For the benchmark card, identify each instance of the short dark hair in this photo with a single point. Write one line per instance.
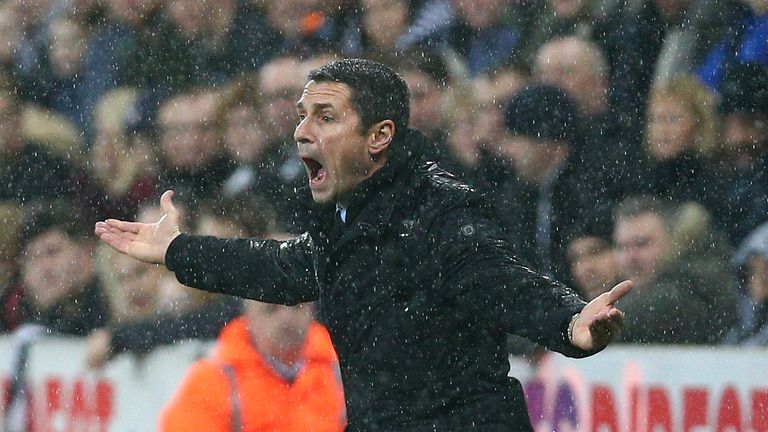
(639, 205)
(54, 215)
(378, 92)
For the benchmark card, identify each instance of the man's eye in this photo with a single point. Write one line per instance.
(302, 117)
(327, 119)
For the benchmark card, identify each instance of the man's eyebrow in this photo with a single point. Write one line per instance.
(315, 106)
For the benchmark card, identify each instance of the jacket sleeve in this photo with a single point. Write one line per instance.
(265, 270)
(487, 281)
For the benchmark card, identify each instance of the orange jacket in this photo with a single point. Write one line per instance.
(265, 401)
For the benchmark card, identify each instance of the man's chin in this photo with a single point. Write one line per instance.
(321, 197)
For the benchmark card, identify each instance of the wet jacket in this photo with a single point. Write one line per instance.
(417, 292)
(237, 390)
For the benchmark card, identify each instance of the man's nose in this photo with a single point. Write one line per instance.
(301, 133)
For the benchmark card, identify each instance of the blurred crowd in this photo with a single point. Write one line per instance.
(613, 138)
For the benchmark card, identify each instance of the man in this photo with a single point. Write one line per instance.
(415, 285)
(533, 169)
(680, 268)
(272, 369)
(611, 137)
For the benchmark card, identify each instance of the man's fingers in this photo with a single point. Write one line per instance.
(114, 225)
(619, 291)
(166, 202)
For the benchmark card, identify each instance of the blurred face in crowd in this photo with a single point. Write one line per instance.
(10, 34)
(54, 266)
(244, 139)
(480, 14)
(745, 133)
(337, 154)
(279, 86)
(68, 44)
(640, 241)
(670, 130)
(189, 138)
(568, 64)
(139, 281)
(279, 330)
(426, 102)
(131, 12)
(594, 265)
(671, 9)
(10, 124)
(385, 20)
(567, 8)
(532, 157)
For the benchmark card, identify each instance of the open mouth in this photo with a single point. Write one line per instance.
(315, 170)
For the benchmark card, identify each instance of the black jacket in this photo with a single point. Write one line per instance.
(417, 292)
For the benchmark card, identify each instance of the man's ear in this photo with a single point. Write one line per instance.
(381, 135)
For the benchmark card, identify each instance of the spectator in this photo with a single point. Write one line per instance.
(743, 162)
(10, 37)
(137, 47)
(58, 81)
(480, 37)
(132, 288)
(184, 313)
(122, 171)
(684, 291)
(751, 262)
(61, 289)
(28, 171)
(680, 141)
(256, 165)
(272, 369)
(224, 38)
(532, 175)
(192, 160)
(461, 154)
(428, 80)
(581, 69)
(381, 33)
(593, 264)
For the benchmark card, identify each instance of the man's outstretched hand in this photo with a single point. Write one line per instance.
(144, 241)
(600, 321)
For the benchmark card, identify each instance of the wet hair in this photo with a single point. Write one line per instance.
(378, 92)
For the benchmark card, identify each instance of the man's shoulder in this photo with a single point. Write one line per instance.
(436, 182)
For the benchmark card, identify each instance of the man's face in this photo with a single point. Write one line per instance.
(139, 282)
(566, 65)
(641, 241)
(593, 265)
(279, 330)
(331, 145)
(51, 267)
(189, 137)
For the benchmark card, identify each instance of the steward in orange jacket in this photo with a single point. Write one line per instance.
(239, 389)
